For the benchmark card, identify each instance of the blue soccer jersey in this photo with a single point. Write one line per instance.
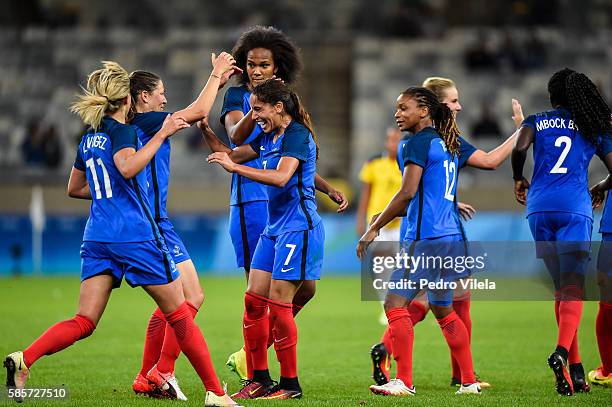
(431, 213)
(158, 170)
(561, 162)
(120, 207)
(465, 152)
(243, 189)
(291, 208)
(606, 218)
(400, 164)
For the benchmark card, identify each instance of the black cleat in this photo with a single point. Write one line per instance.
(380, 364)
(455, 382)
(562, 376)
(579, 382)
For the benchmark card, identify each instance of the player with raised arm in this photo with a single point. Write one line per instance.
(565, 139)
(121, 238)
(431, 158)
(148, 101)
(262, 53)
(446, 91)
(289, 253)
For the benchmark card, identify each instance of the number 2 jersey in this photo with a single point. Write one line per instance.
(431, 213)
(291, 208)
(561, 162)
(119, 208)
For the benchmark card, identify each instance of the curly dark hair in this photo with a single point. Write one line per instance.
(286, 54)
(441, 116)
(577, 93)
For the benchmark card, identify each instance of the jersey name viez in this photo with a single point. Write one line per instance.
(556, 123)
(94, 141)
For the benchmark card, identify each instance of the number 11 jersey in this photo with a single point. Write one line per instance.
(119, 208)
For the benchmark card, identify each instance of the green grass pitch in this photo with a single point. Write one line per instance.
(511, 341)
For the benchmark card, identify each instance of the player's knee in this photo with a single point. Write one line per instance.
(393, 302)
(605, 287)
(86, 325)
(441, 311)
(255, 306)
(196, 298)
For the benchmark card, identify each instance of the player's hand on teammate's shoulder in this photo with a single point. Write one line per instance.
(520, 191)
(172, 124)
(466, 211)
(517, 113)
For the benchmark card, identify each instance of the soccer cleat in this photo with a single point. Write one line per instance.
(596, 377)
(16, 373)
(253, 390)
(381, 364)
(276, 393)
(166, 383)
(395, 387)
(457, 382)
(473, 388)
(237, 363)
(142, 386)
(212, 400)
(562, 376)
(578, 380)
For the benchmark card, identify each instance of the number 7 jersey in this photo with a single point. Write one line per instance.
(561, 157)
(119, 207)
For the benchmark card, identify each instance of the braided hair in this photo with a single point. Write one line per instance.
(577, 93)
(441, 116)
(273, 91)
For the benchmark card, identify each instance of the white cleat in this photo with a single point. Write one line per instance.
(473, 388)
(212, 400)
(395, 387)
(179, 393)
(16, 373)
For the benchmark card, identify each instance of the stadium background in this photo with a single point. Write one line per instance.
(357, 56)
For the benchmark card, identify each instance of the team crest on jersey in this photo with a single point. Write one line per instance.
(177, 250)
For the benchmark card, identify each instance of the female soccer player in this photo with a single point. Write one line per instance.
(121, 238)
(603, 325)
(431, 158)
(447, 93)
(289, 253)
(262, 53)
(564, 140)
(148, 97)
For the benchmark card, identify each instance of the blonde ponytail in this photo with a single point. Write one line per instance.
(105, 93)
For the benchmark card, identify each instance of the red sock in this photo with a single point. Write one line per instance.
(387, 340)
(58, 337)
(570, 312)
(193, 345)
(296, 309)
(402, 333)
(603, 328)
(285, 337)
(462, 308)
(417, 312)
(154, 339)
(573, 354)
(171, 350)
(458, 341)
(256, 327)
